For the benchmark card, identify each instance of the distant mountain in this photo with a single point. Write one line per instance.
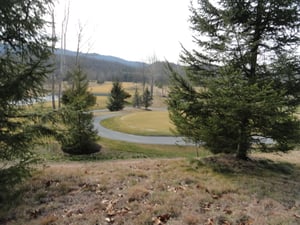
(107, 58)
(108, 68)
(101, 67)
(96, 56)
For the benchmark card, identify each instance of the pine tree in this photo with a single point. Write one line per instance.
(116, 100)
(78, 96)
(136, 102)
(147, 99)
(24, 57)
(79, 136)
(248, 76)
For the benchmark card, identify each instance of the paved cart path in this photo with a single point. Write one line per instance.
(161, 140)
(115, 135)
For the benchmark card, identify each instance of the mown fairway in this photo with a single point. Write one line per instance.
(140, 122)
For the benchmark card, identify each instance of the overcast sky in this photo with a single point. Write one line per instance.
(130, 29)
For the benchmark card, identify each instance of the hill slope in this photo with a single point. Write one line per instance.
(214, 190)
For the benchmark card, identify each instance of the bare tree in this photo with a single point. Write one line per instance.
(152, 60)
(79, 42)
(64, 28)
(53, 47)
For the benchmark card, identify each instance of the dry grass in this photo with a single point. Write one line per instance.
(130, 87)
(101, 102)
(102, 90)
(106, 87)
(142, 123)
(174, 192)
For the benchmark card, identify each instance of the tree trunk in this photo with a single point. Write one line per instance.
(53, 91)
(256, 40)
(242, 151)
(53, 48)
(152, 86)
(243, 144)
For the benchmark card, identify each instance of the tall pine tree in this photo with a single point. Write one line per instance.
(247, 68)
(147, 98)
(24, 54)
(136, 101)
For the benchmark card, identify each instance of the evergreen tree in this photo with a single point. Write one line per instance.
(147, 99)
(136, 102)
(116, 100)
(80, 136)
(78, 96)
(248, 74)
(24, 57)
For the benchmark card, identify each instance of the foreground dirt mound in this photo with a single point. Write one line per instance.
(215, 190)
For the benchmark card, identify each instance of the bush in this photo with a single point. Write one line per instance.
(84, 148)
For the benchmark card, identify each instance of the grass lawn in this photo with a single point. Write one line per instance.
(115, 150)
(149, 123)
(120, 149)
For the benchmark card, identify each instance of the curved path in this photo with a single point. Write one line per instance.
(115, 135)
(160, 140)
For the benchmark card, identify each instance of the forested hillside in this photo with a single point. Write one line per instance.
(108, 68)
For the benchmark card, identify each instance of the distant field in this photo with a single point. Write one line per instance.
(151, 123)
(100, 102)
(101, 91)
(106, 87)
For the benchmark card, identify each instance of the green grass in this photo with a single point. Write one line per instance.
(113, 150)
(147, 123)
(150, 151)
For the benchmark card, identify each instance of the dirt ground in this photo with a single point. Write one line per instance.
(215, 190)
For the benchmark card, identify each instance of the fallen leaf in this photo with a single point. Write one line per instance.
(164, 218)
(215, 196)
(227, 211)
(161, 219)
(210, 221)
(35, 213)
(109, 219)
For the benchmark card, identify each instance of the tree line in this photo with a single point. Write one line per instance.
(103, 70)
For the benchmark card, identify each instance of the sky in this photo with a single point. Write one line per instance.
(135, 30)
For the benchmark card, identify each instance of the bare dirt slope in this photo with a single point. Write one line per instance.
(215, 190)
